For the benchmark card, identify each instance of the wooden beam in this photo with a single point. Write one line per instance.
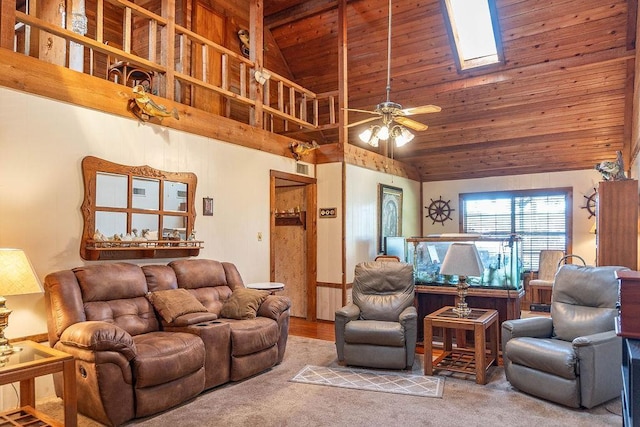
(7, 23)
(256, 54)
(31, 75)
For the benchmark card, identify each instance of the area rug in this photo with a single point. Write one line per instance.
(365, 379)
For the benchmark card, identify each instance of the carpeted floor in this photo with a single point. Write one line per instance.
(271, 399)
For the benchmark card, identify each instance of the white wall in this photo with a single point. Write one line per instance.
(362, 188)
(42, 143)
(583, 183)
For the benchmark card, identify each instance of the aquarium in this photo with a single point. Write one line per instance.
(501, 257)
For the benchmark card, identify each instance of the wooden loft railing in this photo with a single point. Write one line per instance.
(182, 62)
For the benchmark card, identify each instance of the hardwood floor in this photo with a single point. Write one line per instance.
(321, 329)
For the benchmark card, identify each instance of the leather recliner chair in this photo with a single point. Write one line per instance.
(379, 328)
(572, 358)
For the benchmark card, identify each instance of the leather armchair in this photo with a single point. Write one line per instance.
(379, 328)
(573, 357)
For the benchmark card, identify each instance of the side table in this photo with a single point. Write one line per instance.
(476, 360)
(272, 287)
(33, 361)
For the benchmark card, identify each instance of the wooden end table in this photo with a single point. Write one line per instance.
(33, 361)
(465, 360)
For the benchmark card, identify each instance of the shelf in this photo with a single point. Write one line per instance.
(299, 218)
(116, 250)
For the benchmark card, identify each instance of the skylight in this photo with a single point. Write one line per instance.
(471, 27)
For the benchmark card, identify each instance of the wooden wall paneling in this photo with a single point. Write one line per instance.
(210, 25)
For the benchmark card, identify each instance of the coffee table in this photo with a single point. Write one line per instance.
(33, 361)
(475, 361)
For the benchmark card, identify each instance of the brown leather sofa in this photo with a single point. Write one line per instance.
(130, 361)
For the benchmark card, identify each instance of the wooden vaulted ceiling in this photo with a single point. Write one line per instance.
(562, 100)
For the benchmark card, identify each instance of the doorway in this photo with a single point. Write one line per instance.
(293, 241)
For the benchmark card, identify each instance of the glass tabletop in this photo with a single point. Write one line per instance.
(26, 352)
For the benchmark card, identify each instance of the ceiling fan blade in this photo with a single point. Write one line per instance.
(421, 110)
(361, 111)
(370, 119)
(410, 123)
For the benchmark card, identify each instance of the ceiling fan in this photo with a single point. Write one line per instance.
(391, 112)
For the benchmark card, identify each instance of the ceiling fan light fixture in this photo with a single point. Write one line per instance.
(365, 135)
(383, 133)
(403, 137)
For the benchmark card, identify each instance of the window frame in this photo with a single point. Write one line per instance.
(567, 192)
(475, 63)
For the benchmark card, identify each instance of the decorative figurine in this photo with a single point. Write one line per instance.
(612, 171)
(299, 149)
(145, 108)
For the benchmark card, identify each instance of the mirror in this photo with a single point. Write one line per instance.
(175, 196)
(137, 212)
(111, 190)
(145, 194)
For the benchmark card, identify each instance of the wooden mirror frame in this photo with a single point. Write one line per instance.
(94, 250)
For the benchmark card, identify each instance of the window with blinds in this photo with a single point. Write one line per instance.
(542, 218)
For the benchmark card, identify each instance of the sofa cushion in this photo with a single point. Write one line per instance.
(252, 335)
(160, 277)
(134, 315)
(375, 332)
(548, 355)
(173, 303)
(243, 303)
(166, 356)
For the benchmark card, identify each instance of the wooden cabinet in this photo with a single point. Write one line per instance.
(617, 227)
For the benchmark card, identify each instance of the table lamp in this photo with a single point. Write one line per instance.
(462, 260)
(16, 278)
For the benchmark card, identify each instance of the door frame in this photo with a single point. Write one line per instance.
(311, 196)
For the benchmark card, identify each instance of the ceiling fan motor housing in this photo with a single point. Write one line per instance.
(388, 107)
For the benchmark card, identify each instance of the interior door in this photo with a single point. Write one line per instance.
(294, 240)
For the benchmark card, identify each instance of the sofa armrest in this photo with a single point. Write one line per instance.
(344, 315)
(408, 315)
(99, 336)
(599, 359)
(274, 306)
(535, 327)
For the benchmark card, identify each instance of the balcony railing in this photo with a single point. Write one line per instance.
(185, 67)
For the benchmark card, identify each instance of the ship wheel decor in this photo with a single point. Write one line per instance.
(590, 203)
(439, 210)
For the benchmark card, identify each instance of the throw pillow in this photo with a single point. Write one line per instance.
(173, 303)
(243, 303)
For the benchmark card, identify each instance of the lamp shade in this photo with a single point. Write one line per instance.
(462, 259)
(17, 276)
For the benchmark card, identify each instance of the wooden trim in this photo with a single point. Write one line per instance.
(333, 285)
(39, 338)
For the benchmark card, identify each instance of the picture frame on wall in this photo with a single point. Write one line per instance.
(389, 214)
(207, 206)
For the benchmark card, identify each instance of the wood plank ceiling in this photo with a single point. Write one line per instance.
(562, 99)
